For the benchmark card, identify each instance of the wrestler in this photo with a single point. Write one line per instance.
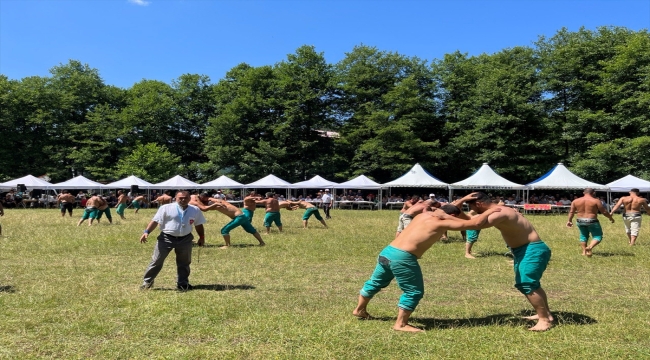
(632, 214)
(137, 202)
(90, 212)
(206, 203)
(587, 208)
(310, 209)
(399, 260)
(414, 210)
(531, 255)
(103, 209)
(65, 201)
(122, 199)
(407, 204)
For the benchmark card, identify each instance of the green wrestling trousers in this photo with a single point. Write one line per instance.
(402, 266)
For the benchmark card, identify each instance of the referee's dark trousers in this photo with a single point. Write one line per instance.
(183, 248)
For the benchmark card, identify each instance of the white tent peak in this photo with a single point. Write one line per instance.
(559, 177)
(79, 182)
(270, 181)
(486, 178)
(177, 182)
(128, 182)
(359, 182)
(30, 182)
(629, 182)
(315, 182)
(222, 182)
(416, 177)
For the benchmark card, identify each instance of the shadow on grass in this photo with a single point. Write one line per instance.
(232, 246)
(221, 287)
(566, 318)
(213, 287)
(503, 253)
(608, 254)
(452, 239)
(561, 318)
(7, 288)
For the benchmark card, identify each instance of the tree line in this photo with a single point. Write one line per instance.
(582, 98)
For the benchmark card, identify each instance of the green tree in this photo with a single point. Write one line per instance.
(151, 162)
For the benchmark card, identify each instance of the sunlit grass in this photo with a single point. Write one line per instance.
(72, 292)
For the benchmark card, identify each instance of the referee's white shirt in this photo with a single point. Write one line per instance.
(327, 199)
(169, 217)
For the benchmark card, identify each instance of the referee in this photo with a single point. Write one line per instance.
(176, 220)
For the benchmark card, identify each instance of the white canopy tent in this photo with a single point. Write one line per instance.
(485, 178)
(314, 183)
(416, 177)
(269, 182)
(361, 182)
(176, 183)
(223, 182)
(559, 177)
(128, 182)
(79, 182)
(629, 182)
(29, 181)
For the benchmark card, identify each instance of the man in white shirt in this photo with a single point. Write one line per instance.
(219, 195)
(176, 220)
(328, 201)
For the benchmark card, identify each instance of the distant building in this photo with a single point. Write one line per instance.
(329, 134)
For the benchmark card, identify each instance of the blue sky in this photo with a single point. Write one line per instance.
(131, 40)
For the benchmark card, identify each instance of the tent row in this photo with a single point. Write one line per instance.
(558, 178)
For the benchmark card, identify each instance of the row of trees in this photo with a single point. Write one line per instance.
(579, 97)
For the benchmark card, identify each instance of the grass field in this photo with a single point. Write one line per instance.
(72, 292)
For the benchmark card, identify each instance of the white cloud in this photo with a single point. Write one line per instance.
(139, 2)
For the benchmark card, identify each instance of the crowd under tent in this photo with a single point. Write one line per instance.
(361, 182)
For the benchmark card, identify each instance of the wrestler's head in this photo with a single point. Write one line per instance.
(204, 196)
(480, 203)
(450, 209)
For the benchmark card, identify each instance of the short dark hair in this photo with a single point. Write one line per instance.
(204, 194)
(588, 191)
(269, 194)
(450, 209)
(635, 190)
(482, 197)
(184, 192)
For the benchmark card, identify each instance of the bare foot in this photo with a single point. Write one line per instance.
(224, 247)
(361, 314)
(408, 328)
(262, 243)
(469, 256)
(588, 252)
(541, 325)
(536, 317)
(444, 238)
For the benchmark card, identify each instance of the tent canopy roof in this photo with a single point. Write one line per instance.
(313, 183)
(416, 177)
(177, 183)
(29, 181)
(223, 182)
(271, 182)
(559, 177)
(78, 182)
(359, 182)
(486, 178)
(629, 182)
(128, 182)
